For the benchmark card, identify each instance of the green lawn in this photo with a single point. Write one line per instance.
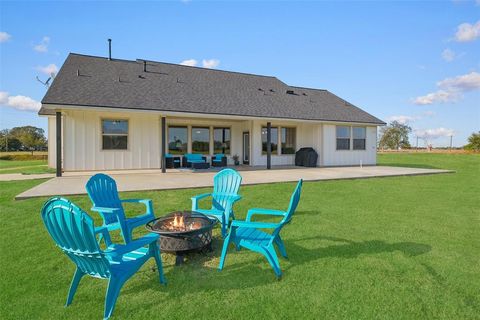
(25, 167)
(386, 248)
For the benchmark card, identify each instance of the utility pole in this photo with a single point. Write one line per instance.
(417, 145)
(451, 140)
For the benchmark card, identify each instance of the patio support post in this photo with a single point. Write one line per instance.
(164, 144)
(269, 145)
(58, 119)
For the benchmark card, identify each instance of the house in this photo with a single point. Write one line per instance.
(112, 114)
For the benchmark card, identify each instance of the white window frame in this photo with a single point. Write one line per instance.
(280, 140)
(121, 134)
(351, 138)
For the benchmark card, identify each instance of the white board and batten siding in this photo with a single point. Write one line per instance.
(82, 142)
(333, 157)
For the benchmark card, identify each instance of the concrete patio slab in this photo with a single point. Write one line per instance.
(74, 184)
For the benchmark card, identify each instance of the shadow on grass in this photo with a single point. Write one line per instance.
(408, 165)
(200, 273)
(350, 249)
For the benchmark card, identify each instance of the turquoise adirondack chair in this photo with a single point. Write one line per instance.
(74, 233)
(247, 234)
(225, 193)
(103, 193)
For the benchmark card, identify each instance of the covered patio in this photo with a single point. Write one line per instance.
(73, 183)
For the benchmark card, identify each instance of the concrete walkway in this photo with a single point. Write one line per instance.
(20, 176)
(155, 180)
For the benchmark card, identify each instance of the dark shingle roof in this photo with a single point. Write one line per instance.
(99, 82)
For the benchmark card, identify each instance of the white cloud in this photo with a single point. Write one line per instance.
(43, 45)
(428, 113)
(3, 97)
(434, 97)
(451, 89)
(466, 82)
(435, 133)
(404, 119)
(19, 102)
(448, 55)
(210, 63)
(4, 37)
(48, 70)
(189, 62)
(467, 32)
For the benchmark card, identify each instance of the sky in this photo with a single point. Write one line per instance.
(414, 62)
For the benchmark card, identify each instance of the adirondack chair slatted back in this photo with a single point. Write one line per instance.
(294, 200)
(225, 183)
(73, 232)
(103, 192)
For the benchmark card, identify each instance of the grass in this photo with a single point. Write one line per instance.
(383, 248)
(24, 167)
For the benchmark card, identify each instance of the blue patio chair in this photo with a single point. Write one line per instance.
(219, 160)
(247, 233)
(190, 158)
(225, 193)
(172, 161)
(103, 193)
(74, 233)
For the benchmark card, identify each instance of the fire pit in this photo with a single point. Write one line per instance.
(183, 232)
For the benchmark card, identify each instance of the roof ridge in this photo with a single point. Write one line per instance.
(308, 88)
(210, 69)
(173, 64)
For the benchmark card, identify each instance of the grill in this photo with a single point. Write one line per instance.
(194, 235)
(306, 157)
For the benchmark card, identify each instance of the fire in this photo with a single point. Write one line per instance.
(179, 222)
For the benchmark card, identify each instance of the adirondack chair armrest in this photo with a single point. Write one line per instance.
(105, 210)
(197, 198)
(201, 196)
(105, 234)
(255, 225)
(270, 212)
(147, 202)
(118, 250)
(235, 198)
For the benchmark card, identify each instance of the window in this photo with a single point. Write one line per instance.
(221, 140)
(114, 134)
(200, 140)
(343, 138)
(177, 140)
(274, 140)
(359, 138)
(288, 140)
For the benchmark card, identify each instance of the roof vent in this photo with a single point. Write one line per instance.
(290, 92)
(109, 49)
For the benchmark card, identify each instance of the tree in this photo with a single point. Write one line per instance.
(473, 142)
(32, 138)
(9, 142)
(395, 136)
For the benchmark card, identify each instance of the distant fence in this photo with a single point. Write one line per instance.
(413, 150)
